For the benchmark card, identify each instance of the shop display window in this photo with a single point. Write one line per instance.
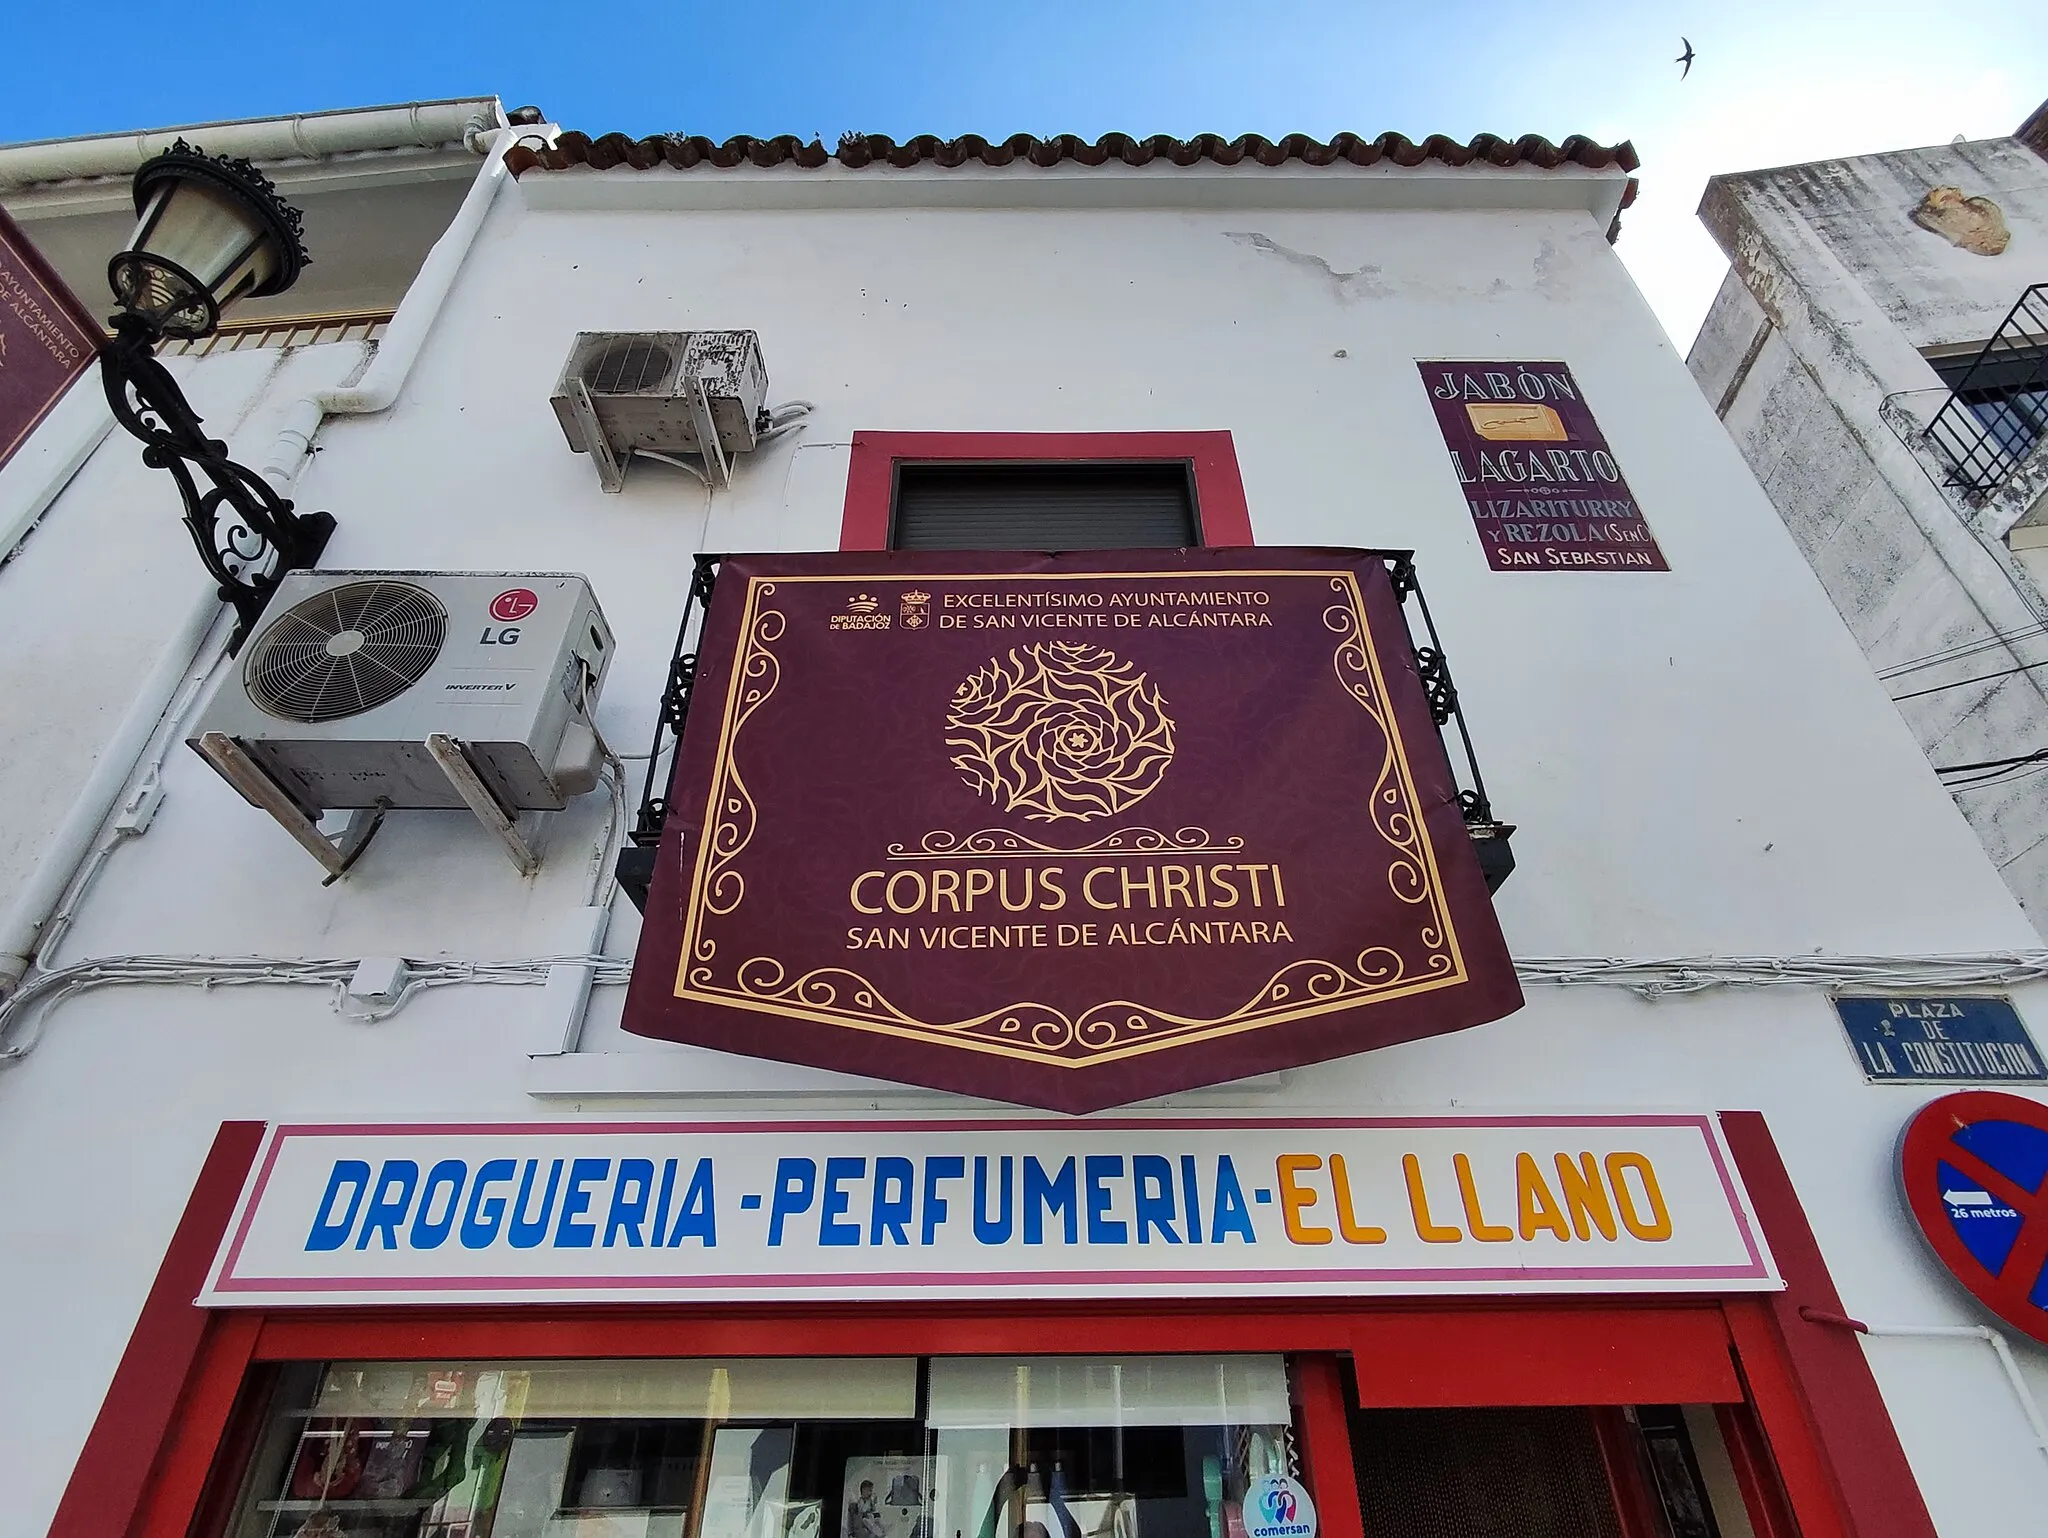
(1041, 1447)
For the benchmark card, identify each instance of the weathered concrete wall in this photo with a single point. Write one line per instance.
(1730, 339)
(1832, 295)
(1901, 600)
(1934, 292)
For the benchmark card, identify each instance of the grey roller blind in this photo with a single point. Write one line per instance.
(1043, 507)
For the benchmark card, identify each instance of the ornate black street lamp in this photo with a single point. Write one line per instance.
(209, 231)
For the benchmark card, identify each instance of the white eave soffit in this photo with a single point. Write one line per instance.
(1434, 187)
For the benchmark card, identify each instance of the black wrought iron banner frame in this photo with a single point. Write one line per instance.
(1490, 835)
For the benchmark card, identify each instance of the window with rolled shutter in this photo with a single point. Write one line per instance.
(1043, 506)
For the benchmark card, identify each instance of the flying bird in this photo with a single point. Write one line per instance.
(1685, 58)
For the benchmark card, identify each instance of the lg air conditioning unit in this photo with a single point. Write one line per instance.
(379, 689)
(665, 392)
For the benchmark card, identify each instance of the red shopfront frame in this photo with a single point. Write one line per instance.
(1806, 1428)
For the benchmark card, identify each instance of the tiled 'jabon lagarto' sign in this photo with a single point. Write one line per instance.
(1544, 489)
(47, 338)
(1068, 830)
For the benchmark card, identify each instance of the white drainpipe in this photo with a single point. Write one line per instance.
(2029, 1406)
(407, 333)
(2021, 1390)
(378, 388)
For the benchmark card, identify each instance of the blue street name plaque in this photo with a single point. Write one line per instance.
(1932, 1040)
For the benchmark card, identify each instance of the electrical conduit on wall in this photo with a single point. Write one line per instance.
(23, 924)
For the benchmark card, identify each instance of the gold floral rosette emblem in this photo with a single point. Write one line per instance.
(1058, 730)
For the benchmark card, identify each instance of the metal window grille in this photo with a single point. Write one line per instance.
(285, 331)
(1997, 409)
(1531, 1472)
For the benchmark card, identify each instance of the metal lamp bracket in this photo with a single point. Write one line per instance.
(247, 535)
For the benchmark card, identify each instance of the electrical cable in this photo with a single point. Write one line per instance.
(1982, 678)
(149, 784)
(1994, 763)
(1992, 642)
(30, 1004)
(2003, 774)
(670, 459)
(1653, 978)
(613, 773)
(1649, 978)
(2000, 778)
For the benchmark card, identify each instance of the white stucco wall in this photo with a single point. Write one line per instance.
(1699, 761)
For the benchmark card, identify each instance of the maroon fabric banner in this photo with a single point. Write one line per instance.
(1067, 830)
(1544, 490)
(47, 338)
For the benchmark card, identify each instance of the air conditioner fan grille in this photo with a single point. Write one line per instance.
(627, 365)
(345, 651)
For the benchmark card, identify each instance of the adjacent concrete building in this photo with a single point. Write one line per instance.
(1879, 352)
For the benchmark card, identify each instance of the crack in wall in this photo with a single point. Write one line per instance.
(1362, 282)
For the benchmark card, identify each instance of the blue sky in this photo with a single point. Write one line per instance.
(1773, 82)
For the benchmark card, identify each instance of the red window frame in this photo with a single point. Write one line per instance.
(1221, 514)
(1812, 1444)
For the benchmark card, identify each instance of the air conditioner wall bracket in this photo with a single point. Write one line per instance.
(611, 475)
(241, 770)
(453, 758)
(716, 466)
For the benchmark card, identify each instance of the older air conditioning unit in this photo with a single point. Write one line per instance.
(371, 690)
(702, 393)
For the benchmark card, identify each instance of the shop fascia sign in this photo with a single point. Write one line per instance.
(1070, 831)
(1134, 1207)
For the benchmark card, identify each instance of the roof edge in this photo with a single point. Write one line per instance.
(2033, 133)
(305, 136)
(690, 152)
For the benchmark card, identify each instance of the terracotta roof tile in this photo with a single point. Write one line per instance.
(685, 152)
(2033, 133)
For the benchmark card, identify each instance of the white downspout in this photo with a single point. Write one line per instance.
(23, 924)
(2021, 1390)
(2029, 1406)
(407, 333)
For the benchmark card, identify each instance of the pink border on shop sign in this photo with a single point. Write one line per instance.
(925, 1281)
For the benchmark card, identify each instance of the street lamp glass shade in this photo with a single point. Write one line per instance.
(209, 231)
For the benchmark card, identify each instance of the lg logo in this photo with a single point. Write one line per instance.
(515, 603)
